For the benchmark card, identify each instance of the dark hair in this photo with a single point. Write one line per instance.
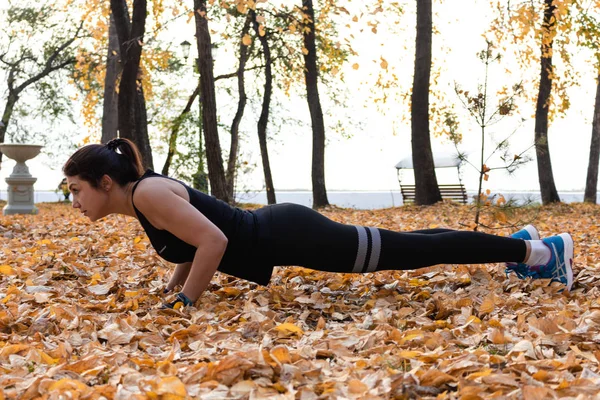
(119, 158)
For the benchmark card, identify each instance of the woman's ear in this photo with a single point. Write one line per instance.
(106, 183)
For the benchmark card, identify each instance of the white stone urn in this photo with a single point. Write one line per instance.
(20, 182)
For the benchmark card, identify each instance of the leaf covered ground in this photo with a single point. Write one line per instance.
(80, 319)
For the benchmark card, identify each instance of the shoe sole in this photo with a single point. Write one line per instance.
(569, 245)
(533, 233)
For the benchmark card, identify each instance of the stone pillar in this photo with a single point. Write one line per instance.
(20, 182)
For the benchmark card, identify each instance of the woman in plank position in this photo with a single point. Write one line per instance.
(202, 234)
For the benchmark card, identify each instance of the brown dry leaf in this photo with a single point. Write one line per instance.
(537, 393)
(488, 304)
(435, 378)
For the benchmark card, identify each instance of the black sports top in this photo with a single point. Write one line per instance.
(245, 254)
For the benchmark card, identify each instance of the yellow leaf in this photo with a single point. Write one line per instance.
(417, 282)
(488, 305)
(411, 336)
(357, 387)
(480, 374)
(289, 329)
(7, 270)
(281, 354)
(68, 384)
(12, 349)
(384, 63)
(171, 385)
(230, 291)
(409, 354)
(247, 40)
(304, 50)
(497, 337)
(355, 66)
(47, 359)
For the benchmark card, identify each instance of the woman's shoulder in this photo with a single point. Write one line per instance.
(152, 186)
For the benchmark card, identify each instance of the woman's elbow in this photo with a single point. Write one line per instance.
(217, 243)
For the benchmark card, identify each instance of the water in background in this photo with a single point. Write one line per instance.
(347, 199)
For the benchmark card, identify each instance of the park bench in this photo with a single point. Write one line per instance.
(449, 191)
(454, 192)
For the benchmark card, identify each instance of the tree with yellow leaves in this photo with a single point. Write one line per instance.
(541, 30)
(588, 34)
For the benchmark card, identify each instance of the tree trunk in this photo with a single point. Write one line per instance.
(127, 89)
(542, 148)
(426, 186)
(110, 116)
(591, 182)
(175, 131)
(235, 125)
(141, 125)
(6, 115)
(133, 122)
(311, 74)
(264, 114)
(216, 173)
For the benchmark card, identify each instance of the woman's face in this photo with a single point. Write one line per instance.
(92, 202)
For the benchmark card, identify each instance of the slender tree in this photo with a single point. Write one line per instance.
(176, 126)
(542, 148)
(591, 182)
(311, 74)
(426, 186)
(216, 173)
(263, 120)
(235, 125)
(110, 110)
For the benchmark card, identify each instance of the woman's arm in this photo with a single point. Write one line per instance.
(207, 259)
(167, 210)
(179, 275)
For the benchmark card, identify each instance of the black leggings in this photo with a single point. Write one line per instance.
(303, 237)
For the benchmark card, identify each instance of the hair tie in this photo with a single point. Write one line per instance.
(113, 144)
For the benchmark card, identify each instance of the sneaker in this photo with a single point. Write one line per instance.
(559, 268)
(527, 233)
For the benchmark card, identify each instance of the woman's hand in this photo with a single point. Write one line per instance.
(179, 276)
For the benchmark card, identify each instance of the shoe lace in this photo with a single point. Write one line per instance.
(521, 270)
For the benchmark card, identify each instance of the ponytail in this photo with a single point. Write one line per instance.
(119, 158)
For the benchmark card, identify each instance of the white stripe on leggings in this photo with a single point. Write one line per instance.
(361, 252)
(375, 249)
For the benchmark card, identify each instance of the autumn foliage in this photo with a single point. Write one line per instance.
(80, 318)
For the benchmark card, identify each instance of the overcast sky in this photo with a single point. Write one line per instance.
(366, 161)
